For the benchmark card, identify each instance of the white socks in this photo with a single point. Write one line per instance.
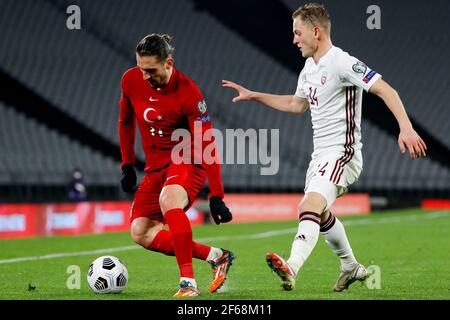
(305, 240)
(336, 238)
(191, 280)
(214, 253)
(307, 235)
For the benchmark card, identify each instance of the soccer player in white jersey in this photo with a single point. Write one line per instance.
(330, 85)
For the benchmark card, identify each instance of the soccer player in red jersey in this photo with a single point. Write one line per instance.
(162, 99)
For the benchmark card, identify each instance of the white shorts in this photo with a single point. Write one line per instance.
(331, 174)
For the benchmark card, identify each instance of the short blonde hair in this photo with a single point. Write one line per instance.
(315, 14)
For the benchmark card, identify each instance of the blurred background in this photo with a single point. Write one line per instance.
(60, 89)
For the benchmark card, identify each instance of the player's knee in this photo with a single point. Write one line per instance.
(173, 196)
(324, 217)
(165, 202)
(143, 232)
(139, 237)
(313, 202)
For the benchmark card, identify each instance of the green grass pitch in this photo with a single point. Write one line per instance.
(411, 248)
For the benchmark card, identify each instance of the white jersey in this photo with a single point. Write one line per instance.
(333, 88)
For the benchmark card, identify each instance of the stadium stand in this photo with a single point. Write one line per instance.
(386, 168)
(33, 154)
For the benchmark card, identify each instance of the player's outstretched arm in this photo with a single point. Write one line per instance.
(408, 137)
(244, 93)
(285, 103)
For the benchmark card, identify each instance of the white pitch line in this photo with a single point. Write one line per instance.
(268, 234)
(414, 217)
(70, 254)
(261, 235)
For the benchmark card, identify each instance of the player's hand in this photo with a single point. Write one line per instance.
(219, 211)
(409, 139)
(129, 178)
(244, 94)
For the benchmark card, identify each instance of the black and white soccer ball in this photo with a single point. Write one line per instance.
(107, 274)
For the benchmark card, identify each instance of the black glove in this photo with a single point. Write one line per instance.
(219, 211)
(129, 178)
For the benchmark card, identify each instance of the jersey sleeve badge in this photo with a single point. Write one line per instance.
(201, 106)
(359, 67)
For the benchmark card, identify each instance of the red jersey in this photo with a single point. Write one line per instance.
(159, 112)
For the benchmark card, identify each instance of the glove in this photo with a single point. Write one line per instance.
(219, 211)
(129, 178)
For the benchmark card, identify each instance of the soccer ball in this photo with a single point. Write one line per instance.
(107, 274)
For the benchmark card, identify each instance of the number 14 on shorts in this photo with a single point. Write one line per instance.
(322, 168)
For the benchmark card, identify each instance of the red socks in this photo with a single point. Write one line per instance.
(181, 230)
(163, 243)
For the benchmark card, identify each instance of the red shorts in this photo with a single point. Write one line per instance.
(146, 199)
